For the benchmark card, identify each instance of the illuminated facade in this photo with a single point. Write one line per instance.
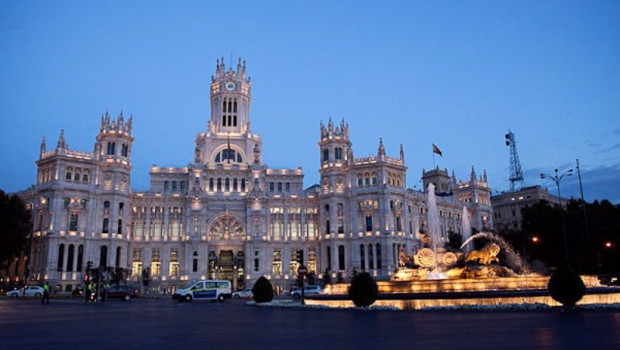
(227, 215)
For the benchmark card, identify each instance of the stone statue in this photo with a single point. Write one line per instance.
(484, 256)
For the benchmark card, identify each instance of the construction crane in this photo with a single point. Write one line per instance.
(516, 175)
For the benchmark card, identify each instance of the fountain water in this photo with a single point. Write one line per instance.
(465, 230)
(513, 260)
(434, 230)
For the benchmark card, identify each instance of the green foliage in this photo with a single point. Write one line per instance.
(15, 224)
(262, 290)
(454, 241)
(565, 286)
(543, 220)
(363, 290)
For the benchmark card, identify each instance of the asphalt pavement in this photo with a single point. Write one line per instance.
(165, 324)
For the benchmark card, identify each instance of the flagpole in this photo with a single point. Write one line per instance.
(433, 160)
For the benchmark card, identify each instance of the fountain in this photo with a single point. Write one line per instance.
(433, 278)
(465, 229)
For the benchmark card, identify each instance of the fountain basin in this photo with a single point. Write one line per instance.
(415, 295)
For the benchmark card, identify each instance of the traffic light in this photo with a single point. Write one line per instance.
(300, 256)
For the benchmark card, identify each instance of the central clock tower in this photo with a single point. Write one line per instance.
(230, 99)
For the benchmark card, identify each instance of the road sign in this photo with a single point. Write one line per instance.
(302, 270)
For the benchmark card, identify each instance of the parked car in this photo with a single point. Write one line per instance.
(308, 290)
(31, 291)
(204, 290)
(246, 293)
(122, 292)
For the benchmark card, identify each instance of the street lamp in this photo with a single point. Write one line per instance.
(557, 178)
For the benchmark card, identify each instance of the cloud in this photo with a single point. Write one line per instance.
(598, 183)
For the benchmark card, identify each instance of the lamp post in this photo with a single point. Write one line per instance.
(557, 178)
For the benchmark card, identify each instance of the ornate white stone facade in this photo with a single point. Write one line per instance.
(227, 215)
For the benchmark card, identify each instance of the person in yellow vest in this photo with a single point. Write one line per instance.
(46, 294)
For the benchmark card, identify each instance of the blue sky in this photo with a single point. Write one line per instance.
(454, 73)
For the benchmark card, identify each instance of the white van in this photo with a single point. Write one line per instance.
(204, 290)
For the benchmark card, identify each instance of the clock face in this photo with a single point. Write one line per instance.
(230, 86)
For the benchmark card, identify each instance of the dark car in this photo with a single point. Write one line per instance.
(122, 292)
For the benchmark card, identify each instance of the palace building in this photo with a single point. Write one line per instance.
(227, 215)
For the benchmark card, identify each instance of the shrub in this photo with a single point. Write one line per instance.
(363, 290)
(565, 286)
(262, 290)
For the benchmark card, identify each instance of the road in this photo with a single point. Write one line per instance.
(165, 324)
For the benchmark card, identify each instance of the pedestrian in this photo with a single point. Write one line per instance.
(45, 299)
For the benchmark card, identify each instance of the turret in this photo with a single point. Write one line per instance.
(230, 99)
(335, 149)
(113, 150)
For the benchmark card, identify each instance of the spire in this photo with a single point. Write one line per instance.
(402, 153)
(61, 140)
(473, 175)
(381, 150)
(43, 147)
(484, 176)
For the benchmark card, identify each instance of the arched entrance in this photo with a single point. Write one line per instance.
(226, 258)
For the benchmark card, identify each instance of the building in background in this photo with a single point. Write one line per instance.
(507, 206)
(227, 215)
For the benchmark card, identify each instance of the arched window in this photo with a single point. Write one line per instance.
(374, 178)
(227, 185)
(360, 180)
(103, 257)
(80, 258)
(68, 174)
(362, 257)
(234, 186)
(118, 257)
(378, 246)
(85, 177)
(211, 184)
(111, 149)
(76, 176)
(219, 185)
(70, 255)
(371, 262)
(120, 227)
(242, 185)
(61, 257)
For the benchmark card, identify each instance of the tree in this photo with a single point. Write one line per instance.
(262, 290)
(363, 290)
(15, 225)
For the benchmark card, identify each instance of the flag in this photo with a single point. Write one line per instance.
(436, 150)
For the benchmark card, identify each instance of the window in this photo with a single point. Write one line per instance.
(360, 181)
(242, 185)
(329, 257)
(105, 227)
(124, 150)
(338, 153)
(287, 187)
(341, 265)
(271, 187)
(70, 254)
(325, 155)
(276, 268)
(80, 257)
(368, 223)
(211, 184)
(73, 222)
(279, 187)
(371, 263)
(362, 257)
(68, 176)
(111, 149)
(120, 227)
(165, 186)
(174, 186)
(195, 262)
(234, 186)
(398, 224)
(103, 256)
(227, 185)
(61, 257)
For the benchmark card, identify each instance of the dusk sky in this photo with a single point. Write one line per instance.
(459, 74)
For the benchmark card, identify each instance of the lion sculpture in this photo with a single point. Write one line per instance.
(484, 256)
